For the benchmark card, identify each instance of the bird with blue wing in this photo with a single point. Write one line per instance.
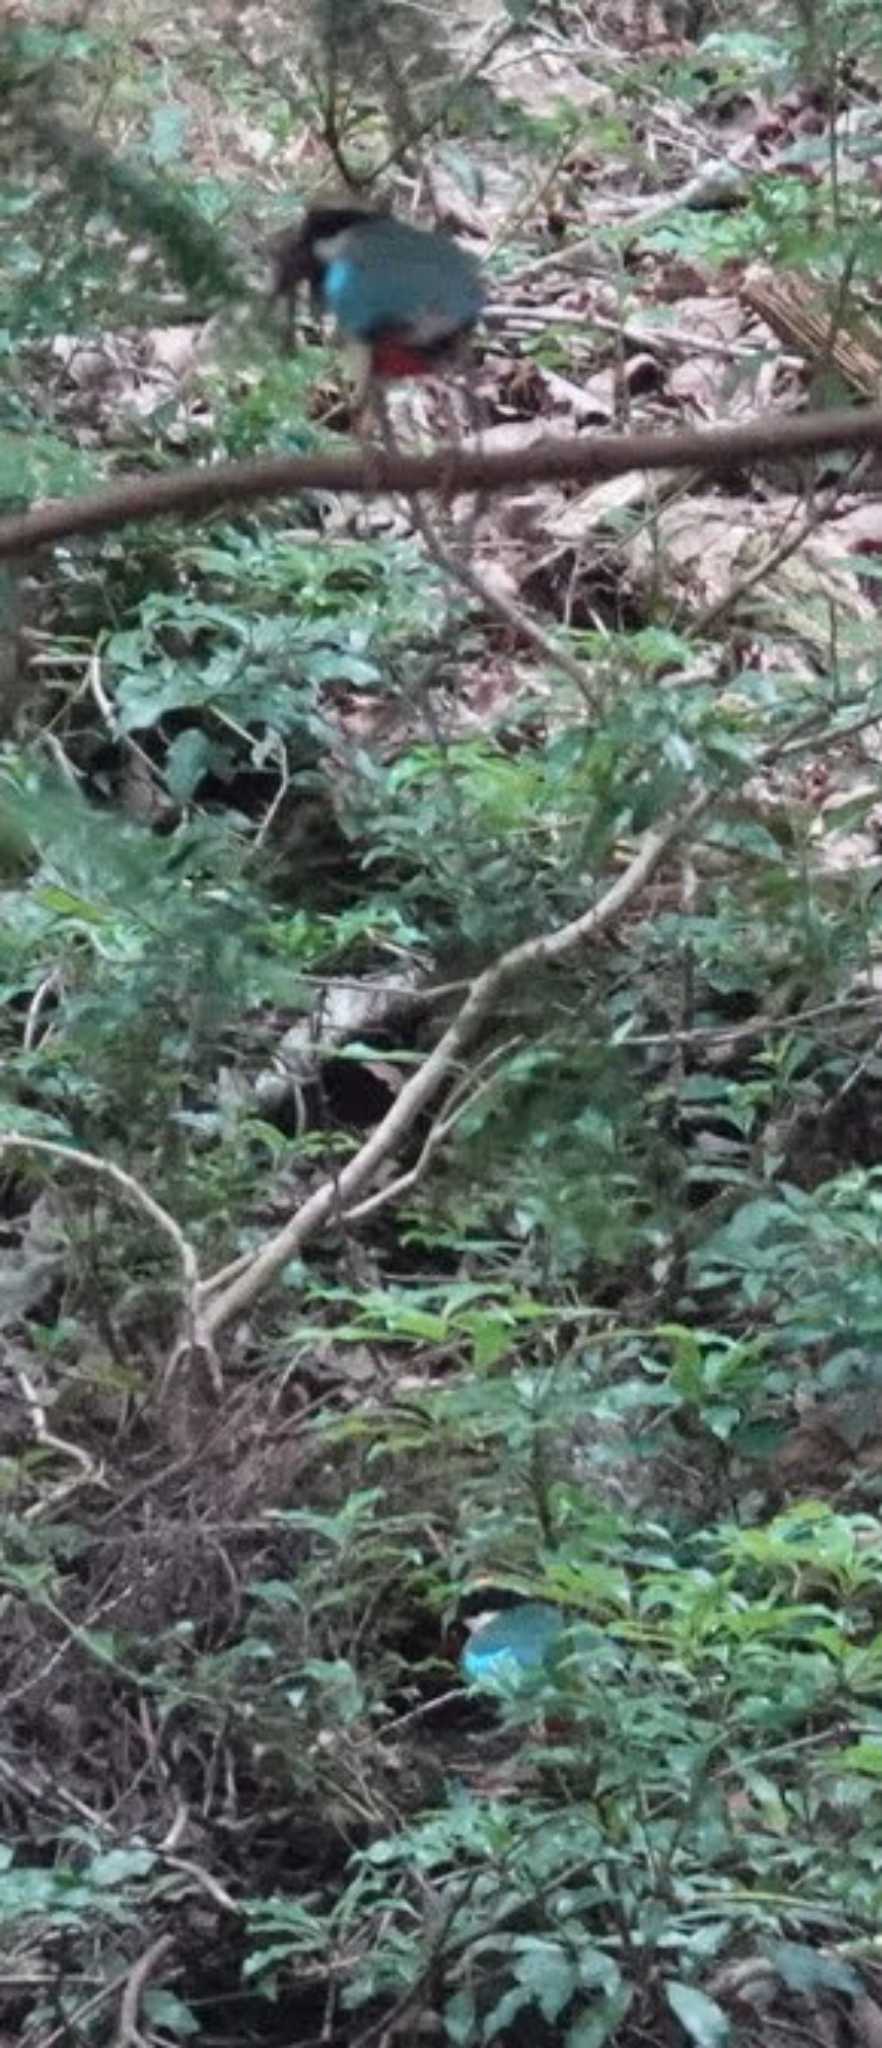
(404, 299)
(515, 1644)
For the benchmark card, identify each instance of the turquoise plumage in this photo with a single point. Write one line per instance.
(514, 1645)
(388, 278)
(404, 296)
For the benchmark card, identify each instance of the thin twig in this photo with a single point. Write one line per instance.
(73, 2022)
(128, 2034)
(203, 1878)
(518, 621)
(460, 570)
(107, 1169)
(113, 724)
(51, 985)
(439, 1132)
(785, 548)
(640, 214)
(43, 1434)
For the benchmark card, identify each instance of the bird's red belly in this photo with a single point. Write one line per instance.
(393, 358)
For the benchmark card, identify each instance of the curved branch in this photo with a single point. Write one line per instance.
(219, 1304)
(106, 1169)
(128, 2033)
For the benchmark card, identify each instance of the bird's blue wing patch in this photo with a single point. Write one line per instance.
(389, 278)
(514, 1645)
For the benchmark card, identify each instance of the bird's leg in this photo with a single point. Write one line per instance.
(383, 417)
(463, 541)
(475, 422)
(360, 365)
(368, 405)
(424, 523)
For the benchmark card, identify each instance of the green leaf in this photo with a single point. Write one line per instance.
(806, 1969)
(164, 2009)
(491, 1339)
(188, 758)
(36, 465)
(68, 905)
(168, 132)
(863, 1757)
(593, 2027)
(116, 1865)
(506, 2009)
(460, 2018)
(550, 1974)
(703, 2019)
(32, 1123)
(102, 1643)
(278, 1592)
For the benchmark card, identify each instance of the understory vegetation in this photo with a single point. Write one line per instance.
(441, 1110)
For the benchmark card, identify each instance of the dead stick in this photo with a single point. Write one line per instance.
(582, 460)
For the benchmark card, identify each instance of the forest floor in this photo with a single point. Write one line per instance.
(281, 1407)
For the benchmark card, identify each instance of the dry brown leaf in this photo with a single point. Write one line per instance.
(509, 435)
(542, 80)
(705, 316)
(531, 516)
(596, 399)
(604, 503)
(698, 384)
(866, 2018)
(32, 1265)
(859, 531)
(455, 211)
(129, 372)
(702, 548)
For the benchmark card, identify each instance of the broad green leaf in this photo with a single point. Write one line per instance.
(165, 2009)
(491, 1337)
(599, 2021)
(703, 2019)
(278, 1592)
(117, 1864)
(550, 1973)
(189, 757)
(460, 2019)
(808, 1969)
(167, 134)
(864, 1757)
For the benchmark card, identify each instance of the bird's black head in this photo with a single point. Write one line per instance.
(483, 1597)
(299, 254)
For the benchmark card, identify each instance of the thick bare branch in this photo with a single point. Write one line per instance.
(584, 459)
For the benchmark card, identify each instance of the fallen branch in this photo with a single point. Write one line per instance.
(581, 460)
